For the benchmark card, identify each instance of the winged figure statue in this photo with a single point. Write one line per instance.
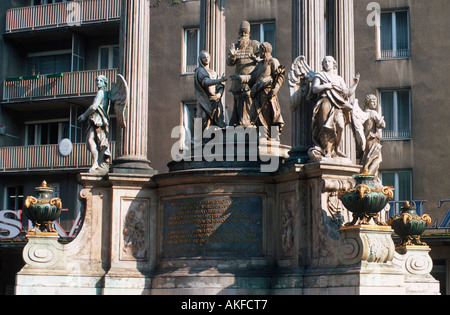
(300, 78)
(332, 107)
(97, 116)
(120, 96)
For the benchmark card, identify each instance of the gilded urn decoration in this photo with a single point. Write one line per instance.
(409, 226)
(365, 201)
(43, 210)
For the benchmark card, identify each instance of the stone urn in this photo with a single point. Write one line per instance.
(409, 226)
(366, 200)
(43, 209)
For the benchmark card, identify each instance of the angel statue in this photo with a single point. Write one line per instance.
(300, 79)
(366, 126)
(97, 116)
(331, 96)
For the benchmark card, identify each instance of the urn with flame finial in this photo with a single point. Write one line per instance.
(409, 226)
(365, 201)
(44, 209)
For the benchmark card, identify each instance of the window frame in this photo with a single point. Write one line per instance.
(396, 172)
(48, 2)
(184, 65)
(395, 132)
(50, 53)
(110, 56)
(37, 125)
(393, 11)
(261, 32)
(17, 197)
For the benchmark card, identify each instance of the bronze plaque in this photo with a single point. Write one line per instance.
(222, 226)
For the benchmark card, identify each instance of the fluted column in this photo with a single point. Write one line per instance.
(309, 41)
(213, 32)
(134, 66)
(213, 35)
(342, 47)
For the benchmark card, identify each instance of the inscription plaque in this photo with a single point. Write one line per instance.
(225, 226)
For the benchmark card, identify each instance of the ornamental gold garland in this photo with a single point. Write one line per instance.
(364, 189)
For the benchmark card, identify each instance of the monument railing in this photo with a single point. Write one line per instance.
(62, 14)
(58, 85)
(46, 157)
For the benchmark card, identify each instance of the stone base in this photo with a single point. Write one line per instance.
(417, 264)
(218, 231)
(232, 148)
(132, 165)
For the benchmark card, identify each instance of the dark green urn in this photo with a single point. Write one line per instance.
(43, 209)
(365, 201)
(409, 226)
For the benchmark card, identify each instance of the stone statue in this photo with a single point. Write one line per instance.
(332, 111)
(366, 126)
(243, 56)
(97, 116)
(209, 91)
(300, 79)
(287, 224)
(265, 81)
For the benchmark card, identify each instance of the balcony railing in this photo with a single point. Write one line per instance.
(396, 134)
(392, 54)
(46, 157)
(69, 13)
(69, 84)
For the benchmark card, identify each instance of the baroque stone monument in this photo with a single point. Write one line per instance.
(230, 227)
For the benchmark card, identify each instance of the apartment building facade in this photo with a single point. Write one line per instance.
(52, 50)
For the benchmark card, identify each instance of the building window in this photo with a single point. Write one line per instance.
(402, 183)
(396, 109)
(108, 57)
(264, 32)
(13, 198)
(394, 35)
(46, 132)
(191, 49)
(76, 128)
(39, 2)
(49, 62)
(188, 111)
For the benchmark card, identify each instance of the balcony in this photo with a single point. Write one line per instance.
(71, 13)
(61, 85)
(45, 158)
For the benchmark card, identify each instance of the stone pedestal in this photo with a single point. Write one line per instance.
(222, 231)
(364, 255)
(133, 246)
(232, 148)
(366, 244)
(416, 265)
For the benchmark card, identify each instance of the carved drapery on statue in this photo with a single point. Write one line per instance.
(265, 81)
(332, 110)
(242, 56)
(209, 91)
(98, 117)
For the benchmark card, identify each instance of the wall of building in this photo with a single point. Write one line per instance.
(427, 151)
